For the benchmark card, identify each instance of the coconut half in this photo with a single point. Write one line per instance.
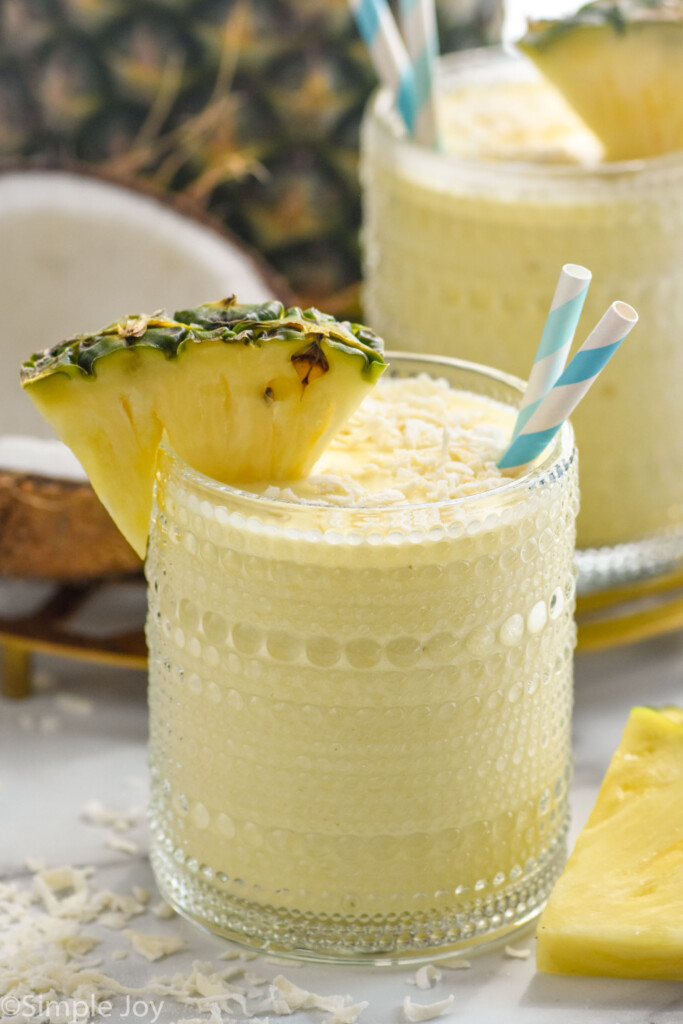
(77, 252)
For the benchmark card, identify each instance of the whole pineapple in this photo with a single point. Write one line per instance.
(251, 107)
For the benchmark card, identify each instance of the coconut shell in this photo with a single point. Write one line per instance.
(53, 528)
(58, 529)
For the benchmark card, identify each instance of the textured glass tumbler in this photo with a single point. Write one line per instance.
(462, 257)
(360, 719)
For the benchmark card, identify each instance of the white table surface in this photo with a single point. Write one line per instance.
(46, 778)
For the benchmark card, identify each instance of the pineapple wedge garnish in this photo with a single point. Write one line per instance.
(243, 393)
(619, 64)
(617, 909)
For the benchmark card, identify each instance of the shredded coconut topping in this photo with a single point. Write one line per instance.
(411, 441)
(527, 121)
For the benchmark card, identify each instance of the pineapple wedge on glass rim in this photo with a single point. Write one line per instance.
(243, 393)
(619, 65)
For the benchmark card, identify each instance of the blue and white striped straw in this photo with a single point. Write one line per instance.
(418, 22)
(556, 340)
(571, 386)
(388, 53)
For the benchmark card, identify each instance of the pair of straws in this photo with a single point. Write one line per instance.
(404, 64)
(553, 390)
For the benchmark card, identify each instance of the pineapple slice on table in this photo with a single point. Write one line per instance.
(617, 909)
(619, 64)
(243, 393)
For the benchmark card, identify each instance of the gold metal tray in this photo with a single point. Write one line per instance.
(635, 611)
(57, 622)
(100, 622)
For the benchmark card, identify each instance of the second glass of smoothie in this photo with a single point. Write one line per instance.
(361, 685)
(462, 251)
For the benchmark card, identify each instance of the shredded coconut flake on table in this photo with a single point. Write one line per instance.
(252, 978)
(74, 705)
(95, 813)
(44, 680)
(517, 953)
(426, 977)
(49, 724)
(417, 1012)
(154, 947)
(163, 911)
(44, 954)
(348, 1015)
(63, 891)
(455, 963)
(121, 845)
(286, 998)
(35, 864)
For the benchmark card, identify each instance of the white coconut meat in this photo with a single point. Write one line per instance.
(77, 253)
(39, 456)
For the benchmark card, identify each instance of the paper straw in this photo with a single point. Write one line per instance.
(556, 340)
(388, 54)
(418, 22)
(571, 386)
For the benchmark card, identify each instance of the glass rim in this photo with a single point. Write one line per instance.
(561, 452)
(380, 110)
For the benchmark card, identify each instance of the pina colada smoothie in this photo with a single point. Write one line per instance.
(360, 683)
(463, 249)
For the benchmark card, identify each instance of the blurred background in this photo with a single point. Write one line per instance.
(250, 109)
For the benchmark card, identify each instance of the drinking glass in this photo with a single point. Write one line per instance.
(360, 718)
(462, 257)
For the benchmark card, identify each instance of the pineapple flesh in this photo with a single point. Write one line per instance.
(617, 909)
(242, 392)
(620, 66)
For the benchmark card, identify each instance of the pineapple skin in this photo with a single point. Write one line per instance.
(258, 396)
(252, 109)
(617, 909)
(619, 65)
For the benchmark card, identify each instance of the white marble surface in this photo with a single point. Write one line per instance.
(54, 760)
